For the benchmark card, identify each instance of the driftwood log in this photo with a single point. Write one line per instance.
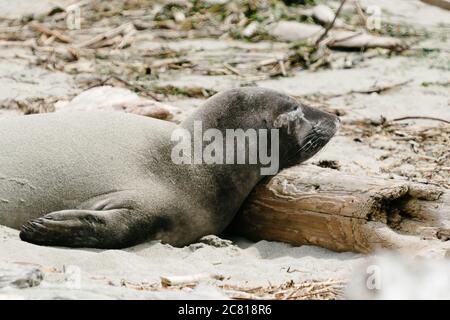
(444, 4)
(307, 204)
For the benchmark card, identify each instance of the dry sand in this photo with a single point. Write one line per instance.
(105, 273)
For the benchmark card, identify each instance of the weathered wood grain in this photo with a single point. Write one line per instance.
(342, 212)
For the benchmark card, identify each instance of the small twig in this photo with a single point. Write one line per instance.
(267, 62)
(328, 28)
(51, 33)
(231, 69)
(282, 68)
(167, 281)
(379, 89)
(421, 117)
(351, 36)
(169, 61)
(49, 40)
(360, 12)
(373, 89)
(106, 35)
(137, 87)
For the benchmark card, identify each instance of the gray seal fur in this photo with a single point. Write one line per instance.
(106, 180)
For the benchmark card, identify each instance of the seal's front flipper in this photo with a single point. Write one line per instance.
(87, 228)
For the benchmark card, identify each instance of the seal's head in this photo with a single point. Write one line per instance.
(302, 130)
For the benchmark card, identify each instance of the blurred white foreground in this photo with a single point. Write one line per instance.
(389, 276)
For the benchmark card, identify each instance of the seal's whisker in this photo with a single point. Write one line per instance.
(311, 143)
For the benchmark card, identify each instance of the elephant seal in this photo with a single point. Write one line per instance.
(108, 180)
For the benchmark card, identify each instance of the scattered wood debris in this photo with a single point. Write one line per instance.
(315, 290)
(331, 289)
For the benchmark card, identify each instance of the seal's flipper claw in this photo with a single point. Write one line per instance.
(76, 228)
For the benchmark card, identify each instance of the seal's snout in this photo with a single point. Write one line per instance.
(317, 128)
(323, 124)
